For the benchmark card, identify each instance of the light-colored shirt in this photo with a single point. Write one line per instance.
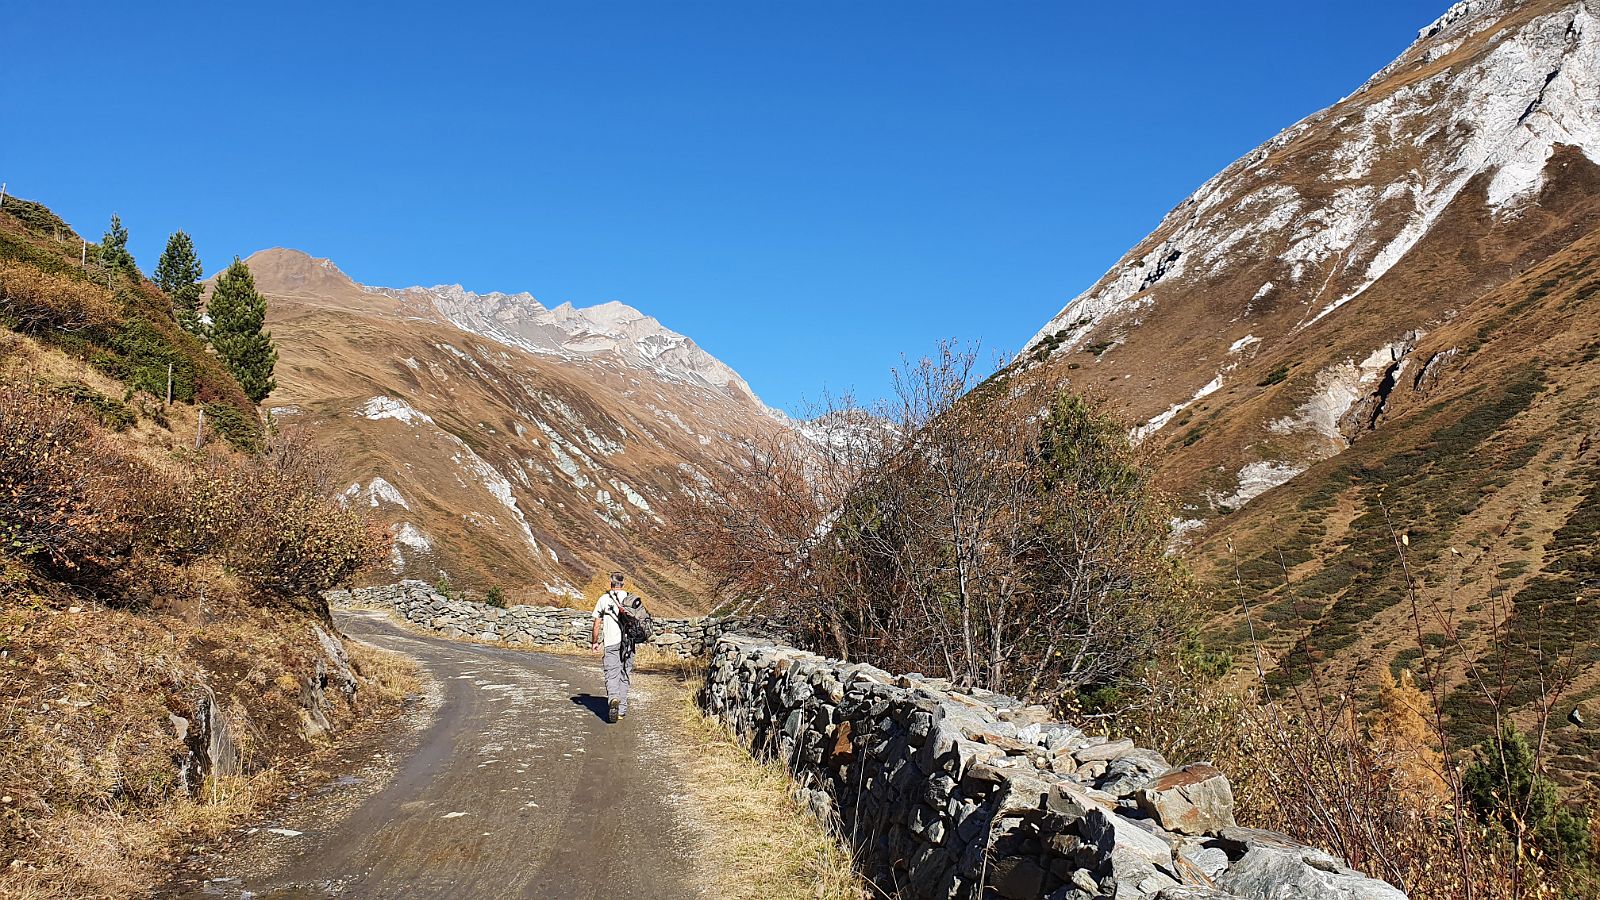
(605, 609)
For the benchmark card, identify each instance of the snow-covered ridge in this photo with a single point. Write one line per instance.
(1502, 111)
(614, 329)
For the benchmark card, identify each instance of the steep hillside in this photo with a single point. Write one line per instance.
(509, 445)
(1388, 303)
(168, 663)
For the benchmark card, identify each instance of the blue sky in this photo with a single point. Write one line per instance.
(808, 189)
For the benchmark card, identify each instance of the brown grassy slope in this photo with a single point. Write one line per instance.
(1470, 441)
(95, 792)
(340, 346)
(1467, 254)
(1486, 462)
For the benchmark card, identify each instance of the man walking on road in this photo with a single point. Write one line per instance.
(616, 659)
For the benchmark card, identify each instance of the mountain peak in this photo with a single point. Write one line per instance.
(295, 274)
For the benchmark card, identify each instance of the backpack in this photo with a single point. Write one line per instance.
(637, 625)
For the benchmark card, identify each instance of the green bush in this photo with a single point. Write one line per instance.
(1276, 376)
(240, 429)
(111, 412)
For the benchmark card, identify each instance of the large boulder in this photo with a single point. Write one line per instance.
(1191, 799)
(1280, 870)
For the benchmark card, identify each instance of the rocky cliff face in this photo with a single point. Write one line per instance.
(1378, 325)
(508, 445)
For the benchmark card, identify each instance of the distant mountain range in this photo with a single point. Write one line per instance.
(507, 444)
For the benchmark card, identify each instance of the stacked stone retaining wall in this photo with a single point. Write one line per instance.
(532, 626)
(947, 794)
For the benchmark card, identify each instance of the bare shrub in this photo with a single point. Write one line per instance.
(1005, 535)
(35, 300)
(754, 532)
(63, 487)
(274, 519)
(78, 508)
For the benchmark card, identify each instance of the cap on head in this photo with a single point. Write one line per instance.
(617, 579)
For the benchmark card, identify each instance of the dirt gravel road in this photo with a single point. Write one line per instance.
(513, 786)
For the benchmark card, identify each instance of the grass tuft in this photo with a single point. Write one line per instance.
(767, 846)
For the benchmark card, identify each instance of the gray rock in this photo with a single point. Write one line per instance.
(1131, 771)
(1192, 799)
(1193, 892)
(1270, 872)
(1111, 832)
(1102, 752)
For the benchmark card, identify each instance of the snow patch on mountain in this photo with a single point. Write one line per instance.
(392, 408)
(1256, 479)
(1160, 421)
(378, 492)
(497, 485)
(407, 537)
(1338, 388)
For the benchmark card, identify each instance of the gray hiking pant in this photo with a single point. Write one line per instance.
(618, 668)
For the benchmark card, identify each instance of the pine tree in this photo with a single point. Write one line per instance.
(1504, 786)
(178, 273)
(114, 247)
(238, 312)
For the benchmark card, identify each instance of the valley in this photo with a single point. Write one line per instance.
(1267, 569)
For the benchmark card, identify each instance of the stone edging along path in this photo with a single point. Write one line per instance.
(530, 626)
(945, 794)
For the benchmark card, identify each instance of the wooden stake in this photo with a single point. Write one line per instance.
(83, 255)
(2, 193)
(200, 428)
(169, 384)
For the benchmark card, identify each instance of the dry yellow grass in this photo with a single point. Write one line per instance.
(765, 844)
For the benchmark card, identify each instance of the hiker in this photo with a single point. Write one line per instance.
(621, 623)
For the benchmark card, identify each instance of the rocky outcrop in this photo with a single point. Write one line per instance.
(209, 747)
(948, 794)
(207, 733)
(531, 626)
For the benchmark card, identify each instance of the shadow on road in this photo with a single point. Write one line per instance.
(597, 705)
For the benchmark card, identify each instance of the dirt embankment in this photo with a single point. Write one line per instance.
(129, 735)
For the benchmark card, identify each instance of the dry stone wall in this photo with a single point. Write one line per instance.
(531, 626)
(948, 794)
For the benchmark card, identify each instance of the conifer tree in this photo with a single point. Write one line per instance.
(178, 273)
(114, 247)
(238, 313)
(1403, 739)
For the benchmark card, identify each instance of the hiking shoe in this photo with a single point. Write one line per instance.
(614, 715)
